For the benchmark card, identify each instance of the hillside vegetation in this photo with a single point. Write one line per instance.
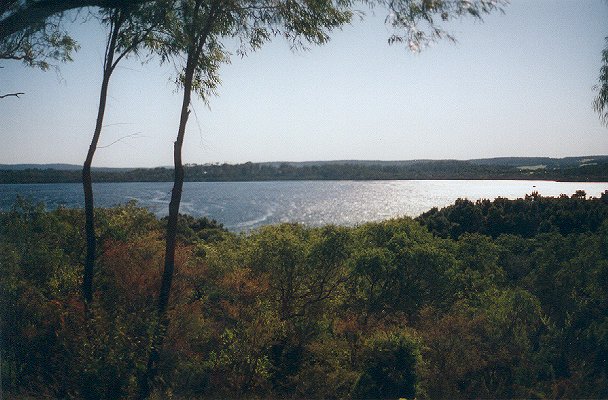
(565, 169)
(502, 299)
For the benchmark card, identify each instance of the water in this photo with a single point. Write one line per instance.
(246, 205)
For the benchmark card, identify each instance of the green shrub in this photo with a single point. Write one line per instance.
(390, 364)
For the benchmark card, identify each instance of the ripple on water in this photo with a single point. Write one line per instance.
(247, 205)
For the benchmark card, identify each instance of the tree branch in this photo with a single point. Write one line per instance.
(39, 11)
(133, 135)
(2, 96)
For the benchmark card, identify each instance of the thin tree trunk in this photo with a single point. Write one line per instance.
(192, 64)
(176, 195)
(87, 182)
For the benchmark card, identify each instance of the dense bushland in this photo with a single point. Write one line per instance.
(495, 299)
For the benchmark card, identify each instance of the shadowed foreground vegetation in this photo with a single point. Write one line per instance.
(495, 299)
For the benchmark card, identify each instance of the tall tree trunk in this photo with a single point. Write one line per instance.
(87, 182)
(192, 64)
(176, 195)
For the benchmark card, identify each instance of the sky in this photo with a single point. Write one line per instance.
(518, 84)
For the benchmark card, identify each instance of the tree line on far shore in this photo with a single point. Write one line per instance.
(331, 171)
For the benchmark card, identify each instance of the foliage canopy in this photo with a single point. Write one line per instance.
(383, 309)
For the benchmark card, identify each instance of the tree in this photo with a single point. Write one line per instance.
(37, 45)
(600, 104)
(128, 29)
(389, 368)
(20, 15)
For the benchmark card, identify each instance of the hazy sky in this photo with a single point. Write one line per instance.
(519, 84)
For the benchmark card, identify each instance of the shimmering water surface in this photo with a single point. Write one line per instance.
(246, 205)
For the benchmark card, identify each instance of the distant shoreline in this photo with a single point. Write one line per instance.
(318, 180)
(569, 169)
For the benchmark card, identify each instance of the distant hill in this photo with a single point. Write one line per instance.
(516, 162)
(546, 161)
(586, 168)
(343, 162)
